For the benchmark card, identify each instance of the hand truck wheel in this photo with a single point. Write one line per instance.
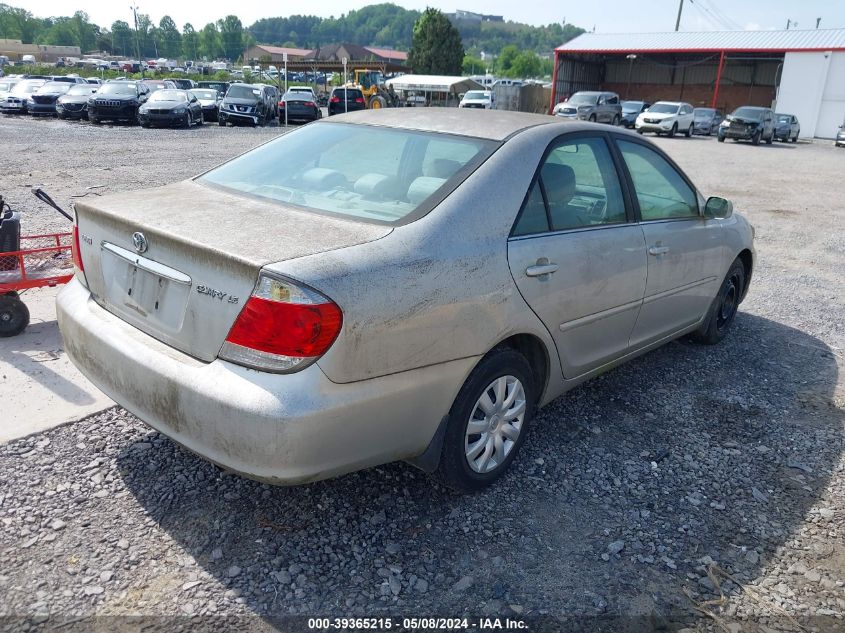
(14, 315)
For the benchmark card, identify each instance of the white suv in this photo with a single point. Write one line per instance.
(667, 117)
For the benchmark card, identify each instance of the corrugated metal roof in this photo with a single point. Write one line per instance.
(674, 41)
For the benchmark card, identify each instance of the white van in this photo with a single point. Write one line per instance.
(483, 99)
(28, 59)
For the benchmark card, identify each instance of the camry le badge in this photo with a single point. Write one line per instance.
(139, 242)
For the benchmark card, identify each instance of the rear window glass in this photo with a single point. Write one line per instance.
(326, 170)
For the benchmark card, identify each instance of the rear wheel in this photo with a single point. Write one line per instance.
(14, 316)
(615, 121)
(377, 102)
(723, 309)
(488, 421)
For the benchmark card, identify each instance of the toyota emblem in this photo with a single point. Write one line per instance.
(139, 242)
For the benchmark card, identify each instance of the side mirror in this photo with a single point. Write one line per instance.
(193, 99)
(718, 208)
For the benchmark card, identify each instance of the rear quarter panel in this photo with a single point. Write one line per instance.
(439, 288)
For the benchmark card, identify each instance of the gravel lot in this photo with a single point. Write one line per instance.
(691, 481)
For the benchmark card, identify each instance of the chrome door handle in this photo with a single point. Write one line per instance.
(658, 250)
(541, 269)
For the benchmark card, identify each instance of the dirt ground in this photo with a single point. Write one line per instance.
(693, 487)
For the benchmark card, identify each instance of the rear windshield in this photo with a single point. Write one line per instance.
(168, 95)
(352, 93)
(325, 170)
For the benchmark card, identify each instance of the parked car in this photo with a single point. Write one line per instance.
(316, 347)
(750, 123)
(6, 85)
(787, 127)
(303, 90)
(246, 103)
(840, 136)
(706, 120)
(159, 84)
(346, 100)
(210, 100)
(117, 101)
(184, 84)
(666, 117)
(43, 100)
(482, 99)
(603, 107)
(631, 110)
(219, 86)
(74, 103)
(299, 106)
(171, 107)
(18, 99)
(96, 81)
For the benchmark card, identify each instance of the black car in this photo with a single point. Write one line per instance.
(74, 103)
(246, 103)
(346, 100)
(210, 100)
(171, 107)
(219, 86)
(298, 106)
(631, 110)
(117, 101)
(750, 123)
(787, 127)
(706, 121)
(43, 100)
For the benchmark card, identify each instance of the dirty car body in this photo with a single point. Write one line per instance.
(346, 327)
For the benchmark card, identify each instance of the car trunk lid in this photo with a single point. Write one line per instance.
(179, 262)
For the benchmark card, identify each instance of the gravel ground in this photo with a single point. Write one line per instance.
(699, 487)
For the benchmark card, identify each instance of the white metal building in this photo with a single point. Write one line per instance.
(796, 72)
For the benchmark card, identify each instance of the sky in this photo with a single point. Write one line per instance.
(607, 16)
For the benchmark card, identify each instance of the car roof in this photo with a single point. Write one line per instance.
(495, 125)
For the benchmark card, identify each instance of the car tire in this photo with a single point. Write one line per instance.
(221, 122)
(794, 139)
(592, 118)
(14, 316)
(722, 311)
(145, 125)
(640, 131)
(770, 139)
(615, 121)
(94, 120)
(673, 131)
(187, 122)
(201, 119)
(756, 138)
(720, 138)
(465, 462)
(688, 133)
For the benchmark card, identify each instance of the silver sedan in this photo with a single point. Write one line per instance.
(395, 285)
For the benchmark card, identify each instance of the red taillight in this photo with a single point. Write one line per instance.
(283, 327)
(281, 104)
(359, 100)
(309, 104)
(75, 255)
(335, 99)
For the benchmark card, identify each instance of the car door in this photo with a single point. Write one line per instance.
(577, 255)
(685, 250)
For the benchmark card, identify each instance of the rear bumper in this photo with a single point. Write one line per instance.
(281, 428)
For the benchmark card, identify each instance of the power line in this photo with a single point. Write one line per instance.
(721, 14)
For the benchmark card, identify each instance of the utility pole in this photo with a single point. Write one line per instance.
(134, 8)
(680, 10)
(818, 21)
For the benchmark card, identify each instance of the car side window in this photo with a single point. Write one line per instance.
(613, 99)
(661, 191)
(577, 187)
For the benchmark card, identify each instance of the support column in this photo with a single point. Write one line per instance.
(554, 83)
(718, 78)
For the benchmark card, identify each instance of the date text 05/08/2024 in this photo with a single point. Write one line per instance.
(442, 624)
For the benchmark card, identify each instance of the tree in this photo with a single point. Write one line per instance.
(506, 59)
(525, 65)
(473, 65)
(170, 38)
(190, 42)
(436, 47)
(210, 46)
(231, 36)
(122, 38)
(84, 33)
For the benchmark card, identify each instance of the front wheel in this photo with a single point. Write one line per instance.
(592, 118)
(723, 309)
(94, 120)
(674, 130)
(756, 138)
(770, 139)
(14, 316)
(488, 421)
(721, 138)
(688, 133)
